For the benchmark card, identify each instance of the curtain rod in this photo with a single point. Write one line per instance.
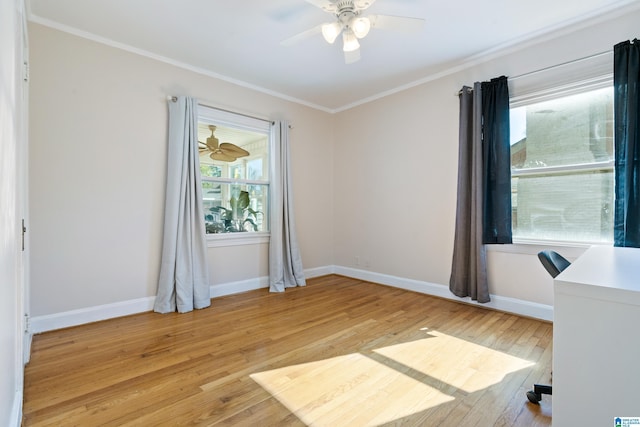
(551, 67)
(175, 98)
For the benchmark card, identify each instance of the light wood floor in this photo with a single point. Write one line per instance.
(337, 352)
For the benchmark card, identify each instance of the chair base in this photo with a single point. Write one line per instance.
(535, 395)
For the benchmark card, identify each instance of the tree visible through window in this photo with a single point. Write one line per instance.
(562, 168)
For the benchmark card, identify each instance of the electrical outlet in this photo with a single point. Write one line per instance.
(357, 260)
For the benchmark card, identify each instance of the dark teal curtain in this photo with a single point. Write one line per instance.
(626, 82)
(497, 161)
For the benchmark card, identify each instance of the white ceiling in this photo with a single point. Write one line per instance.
(239, 40)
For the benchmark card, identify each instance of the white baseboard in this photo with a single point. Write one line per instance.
(259, 283)
(26, 347)
(317, 272)
(108, 311)
(237, 287)
(511, 305)
(81, 316)
(15, 418)
(71, 318)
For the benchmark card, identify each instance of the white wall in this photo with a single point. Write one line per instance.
(11, 141)
(98, 150)
(395, 177)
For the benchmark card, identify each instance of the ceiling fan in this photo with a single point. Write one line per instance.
(353, 26)
(225, 152)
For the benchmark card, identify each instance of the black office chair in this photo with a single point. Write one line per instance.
(554, 263)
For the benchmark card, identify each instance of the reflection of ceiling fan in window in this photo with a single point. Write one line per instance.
(225, 152)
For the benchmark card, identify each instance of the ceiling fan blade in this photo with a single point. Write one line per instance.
(233, 150)
(363, 4)
(352, 56)
(400, 23)
(325, 5)
(222, 157)
(302, 36)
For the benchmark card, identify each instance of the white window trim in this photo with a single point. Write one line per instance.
(241, 121)
(234, 181)
(556, 80)
(573, 88)
(237, 239)
(532, 247)
(557, 170)
(522, 98)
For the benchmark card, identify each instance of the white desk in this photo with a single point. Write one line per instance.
(596, 339)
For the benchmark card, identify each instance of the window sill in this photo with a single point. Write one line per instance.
(532, 247)
(236, 239)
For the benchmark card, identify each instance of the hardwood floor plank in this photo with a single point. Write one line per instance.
(339, 351)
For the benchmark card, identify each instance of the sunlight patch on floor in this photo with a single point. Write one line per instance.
(357, 390)
(462, 364)
(348, 390)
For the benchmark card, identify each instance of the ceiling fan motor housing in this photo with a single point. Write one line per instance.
(348, 10)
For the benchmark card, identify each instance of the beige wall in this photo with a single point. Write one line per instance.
(395, 184)
(98, 152)
(396, 171)
(374, 185)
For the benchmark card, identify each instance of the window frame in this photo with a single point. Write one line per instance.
(548, 94)
(227, 118)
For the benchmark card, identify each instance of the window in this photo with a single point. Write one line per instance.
(235, 171)
(562, 168)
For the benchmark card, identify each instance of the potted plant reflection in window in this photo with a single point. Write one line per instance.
(238, 217)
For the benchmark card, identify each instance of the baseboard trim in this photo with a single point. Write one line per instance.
(238, 287)
(15, 418)
(71, 318)
(26, 347)
(81, 316)
(259, 283)
(507, 304)
(320, 271)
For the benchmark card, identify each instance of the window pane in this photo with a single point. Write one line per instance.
(210, 170)
(563, 203)
(576, 129)
(232, 208)
(564, 207)
(234, 168)
(233, 153)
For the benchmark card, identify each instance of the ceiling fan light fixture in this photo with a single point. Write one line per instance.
(361, 27)
(331, 31)
(350, 41)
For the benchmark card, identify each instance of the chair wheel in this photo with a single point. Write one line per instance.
(534, 397)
